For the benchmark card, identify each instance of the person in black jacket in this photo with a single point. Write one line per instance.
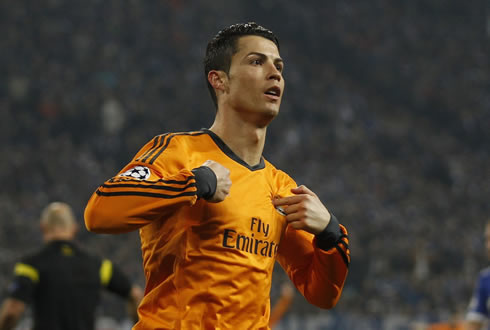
(61, 281)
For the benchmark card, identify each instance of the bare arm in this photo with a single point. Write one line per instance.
(10, 313)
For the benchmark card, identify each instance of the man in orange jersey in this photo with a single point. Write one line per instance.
(214, 215)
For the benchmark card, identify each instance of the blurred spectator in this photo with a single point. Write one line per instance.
(478, 311)
(63, 282)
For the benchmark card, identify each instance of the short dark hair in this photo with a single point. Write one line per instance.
(224, 45)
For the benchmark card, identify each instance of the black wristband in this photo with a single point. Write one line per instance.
(206, 182)
(330, 235)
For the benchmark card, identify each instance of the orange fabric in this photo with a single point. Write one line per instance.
(209, 265)
(446, 326)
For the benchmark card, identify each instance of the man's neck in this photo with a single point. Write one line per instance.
(58, 236)
(245, 140)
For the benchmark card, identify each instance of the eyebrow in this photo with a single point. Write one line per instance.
(263, 56)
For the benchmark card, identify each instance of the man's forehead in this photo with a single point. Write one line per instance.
(257, 44)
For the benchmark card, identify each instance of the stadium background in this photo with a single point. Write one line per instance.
(386, 116)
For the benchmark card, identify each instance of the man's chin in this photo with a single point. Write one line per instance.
(266, 117)
(272, 111)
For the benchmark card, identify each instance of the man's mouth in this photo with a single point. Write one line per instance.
(273, 91)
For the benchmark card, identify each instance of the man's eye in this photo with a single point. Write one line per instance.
(257, 62)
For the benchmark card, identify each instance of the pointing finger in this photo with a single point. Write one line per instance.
(282, 201)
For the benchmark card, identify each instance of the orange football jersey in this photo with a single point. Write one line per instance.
(209, 265)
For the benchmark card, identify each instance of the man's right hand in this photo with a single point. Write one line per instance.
(223, 181)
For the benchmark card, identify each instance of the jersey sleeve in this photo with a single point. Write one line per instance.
(23, 286)
(477, 309)
(318, 274)
(154, 184)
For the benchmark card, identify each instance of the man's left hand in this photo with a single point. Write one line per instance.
(304, 210)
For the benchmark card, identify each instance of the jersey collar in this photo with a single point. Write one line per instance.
(222, 145)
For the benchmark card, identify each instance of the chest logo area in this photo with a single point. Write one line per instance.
(257, 241)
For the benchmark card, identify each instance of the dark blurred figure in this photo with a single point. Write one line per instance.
(61, 281)
(478, 311)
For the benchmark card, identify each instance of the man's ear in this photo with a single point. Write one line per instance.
(218, 79)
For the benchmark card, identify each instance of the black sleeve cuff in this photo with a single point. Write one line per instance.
(206, 182)
(330, 235)
(22, 289)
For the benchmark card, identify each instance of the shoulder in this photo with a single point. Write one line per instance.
(275, 172)
(171, 139)
(188, 138)
(181, 136)
(183, 143)
(34, 258)
(279, 177)
(30, 266)
(167, 143)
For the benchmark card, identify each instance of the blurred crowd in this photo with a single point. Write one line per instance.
(386, 116)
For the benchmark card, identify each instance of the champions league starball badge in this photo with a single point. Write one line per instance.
(137, 172)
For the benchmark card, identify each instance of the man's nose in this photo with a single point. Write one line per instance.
(274, 73)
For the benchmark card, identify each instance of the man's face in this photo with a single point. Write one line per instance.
(255, 82)
(487, 239)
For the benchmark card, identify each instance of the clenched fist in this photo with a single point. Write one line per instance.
(223, 181)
